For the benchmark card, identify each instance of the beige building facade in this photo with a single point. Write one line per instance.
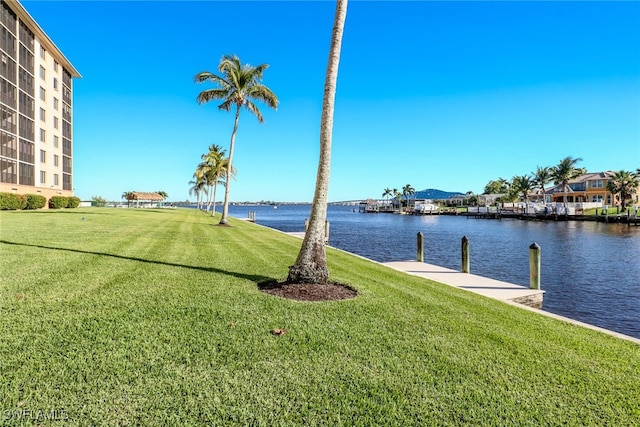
(36, 122)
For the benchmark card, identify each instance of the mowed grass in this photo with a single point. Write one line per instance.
(153, 317)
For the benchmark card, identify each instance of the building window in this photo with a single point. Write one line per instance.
(55, 122)
(43, 177)
(8, 145)
(56, 159)
(56, 179)
(43, 135)
(42, 52)
(26, 128)
(598, 183)
(43, 156)
(43, 115)
(8, 119)
(25, 174)
(66, 181)
(27, 151)
(55, 66)
(42, 73)
(8, 93)
(66, 164)
(7, 68)
(43, 94)
(55, 141)
(25, 82)
(55, 103)
(55, 83)
(8, 171)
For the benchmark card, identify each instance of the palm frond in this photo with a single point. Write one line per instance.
(253, 108)
(210, 95)
(214, 78)
(226, 105)
(264, 94)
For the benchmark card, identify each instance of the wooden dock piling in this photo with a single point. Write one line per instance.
(534, 266)
(465, 254)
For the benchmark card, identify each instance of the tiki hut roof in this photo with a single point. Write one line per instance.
(138, 195)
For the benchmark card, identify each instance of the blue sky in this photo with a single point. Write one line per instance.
(445, 95)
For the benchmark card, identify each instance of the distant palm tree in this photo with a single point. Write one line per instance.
(162, 194)
(407, 191)
(564, 172)
(214, 167)
(387, 192)
(522, 185)
(541, 177)
(398, 196)
(199, 184)
(128, 196)
(238, 85)
(311, 263)
(624, 184)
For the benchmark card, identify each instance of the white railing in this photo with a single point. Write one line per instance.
(538, 208)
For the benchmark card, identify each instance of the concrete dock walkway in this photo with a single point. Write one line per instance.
(509, 293)
(491, 288)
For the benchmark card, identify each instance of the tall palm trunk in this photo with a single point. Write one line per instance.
(213, 212)
(208, 199)
(225, 206)
(311, 264)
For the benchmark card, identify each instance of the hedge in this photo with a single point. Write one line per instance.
(58, 202)
(12, 201)
(35, 201)
(73, 202)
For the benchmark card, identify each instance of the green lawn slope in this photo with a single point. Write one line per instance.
(153, 317)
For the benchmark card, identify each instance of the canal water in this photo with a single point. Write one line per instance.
(590, 270)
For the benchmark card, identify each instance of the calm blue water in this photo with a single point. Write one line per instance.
(590, 271)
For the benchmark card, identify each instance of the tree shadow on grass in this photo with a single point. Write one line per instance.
(251, 277)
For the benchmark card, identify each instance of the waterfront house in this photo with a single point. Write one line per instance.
(590, 187)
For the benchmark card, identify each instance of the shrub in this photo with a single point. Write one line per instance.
(35, 201)
(73, 202)
(58, 202)
(12, 201)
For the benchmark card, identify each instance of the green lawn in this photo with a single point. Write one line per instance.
(153, 317)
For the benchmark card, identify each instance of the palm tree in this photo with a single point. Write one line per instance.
(162, 194)
(523, 185)
(238, 85)
(407, 191)
(541, 177)
(311, 264)
(386, 194)
(398, 196)
(219, 176)
(564, 172)
(199, 183)
(128, 196)
(214, 167)
(624, 184)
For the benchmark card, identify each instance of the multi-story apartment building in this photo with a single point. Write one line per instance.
(36, 144)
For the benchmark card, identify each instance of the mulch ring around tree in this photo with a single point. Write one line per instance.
(309, 292)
